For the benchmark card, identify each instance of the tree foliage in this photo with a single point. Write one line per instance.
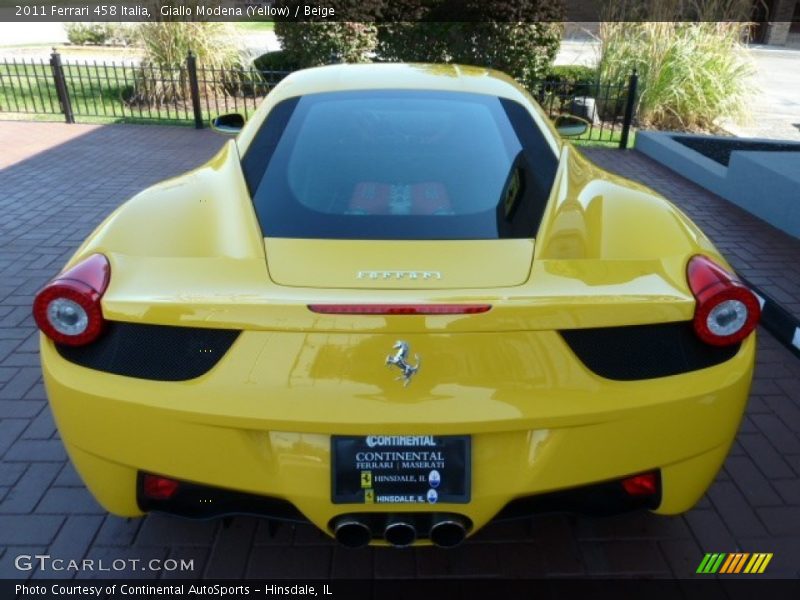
(316, 40)
(314, 43)
(520, 37)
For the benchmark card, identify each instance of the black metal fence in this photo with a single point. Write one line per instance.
(608, 107)
(130, 92)
(190, 92)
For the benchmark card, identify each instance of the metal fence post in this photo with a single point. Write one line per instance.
(191, 67)
(626, 123)
(61, 86)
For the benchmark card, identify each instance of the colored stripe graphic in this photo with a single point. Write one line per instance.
(755, 562)
(703, 564)
(740, 563)
(711, 563)
(734, 563)
(762, 565)
(727, 564)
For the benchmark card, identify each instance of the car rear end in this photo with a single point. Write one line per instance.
(530, 426)
(442, 317)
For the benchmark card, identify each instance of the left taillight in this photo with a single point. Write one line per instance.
(67, 310)
(156, 487)
(727, 311)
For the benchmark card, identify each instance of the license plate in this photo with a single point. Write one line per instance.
(388, 469)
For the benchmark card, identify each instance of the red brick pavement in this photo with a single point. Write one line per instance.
(74, 175)
(21, 139)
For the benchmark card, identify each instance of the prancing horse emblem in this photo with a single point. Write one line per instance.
(398, 359)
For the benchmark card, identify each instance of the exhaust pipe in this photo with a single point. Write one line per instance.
(351, 532)
(400, 533)
(448, 532)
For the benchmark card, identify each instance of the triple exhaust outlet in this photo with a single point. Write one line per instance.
(399, 531)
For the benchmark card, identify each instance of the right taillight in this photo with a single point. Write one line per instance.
(644, 484)
(727, 311)
(67, 310)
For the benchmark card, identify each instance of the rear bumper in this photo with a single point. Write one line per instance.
(262, 426)
(197, 501)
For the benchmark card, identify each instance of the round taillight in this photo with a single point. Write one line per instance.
(726, 311)
(67, 310)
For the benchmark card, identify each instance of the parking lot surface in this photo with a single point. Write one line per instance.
(59, 181)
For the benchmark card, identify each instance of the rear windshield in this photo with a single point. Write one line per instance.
(399, 165)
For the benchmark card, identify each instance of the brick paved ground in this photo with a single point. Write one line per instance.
(76, 174)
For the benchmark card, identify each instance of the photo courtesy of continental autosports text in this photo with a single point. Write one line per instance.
(399, 299)
(180, 590)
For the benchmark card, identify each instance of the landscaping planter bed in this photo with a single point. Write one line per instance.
(761, 176)
(720, 149)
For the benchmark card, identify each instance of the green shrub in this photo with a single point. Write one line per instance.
(690, 74)
(274, 61)
(91, 34)
(572, 74)
(245, 82)
(312, 43)
(124, 34)
(523, 48)
(569, 81)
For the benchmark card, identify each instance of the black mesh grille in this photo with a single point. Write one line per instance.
(157, 352)
(644, 351)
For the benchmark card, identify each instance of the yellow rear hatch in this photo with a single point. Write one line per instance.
(399, 265)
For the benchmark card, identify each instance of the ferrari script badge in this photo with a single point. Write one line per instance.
(400, 275)
(398, 359)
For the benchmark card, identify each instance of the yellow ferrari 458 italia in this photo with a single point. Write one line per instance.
(397, 305)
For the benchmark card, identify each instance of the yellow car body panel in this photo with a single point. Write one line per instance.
(261, 420)
(189, 252)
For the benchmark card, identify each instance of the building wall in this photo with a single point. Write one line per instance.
(780, 22)
(783, 27)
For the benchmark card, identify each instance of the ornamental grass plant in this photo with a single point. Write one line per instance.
(691, 74)
(162, 75)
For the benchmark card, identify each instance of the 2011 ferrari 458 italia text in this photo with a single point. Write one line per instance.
(397, 305)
